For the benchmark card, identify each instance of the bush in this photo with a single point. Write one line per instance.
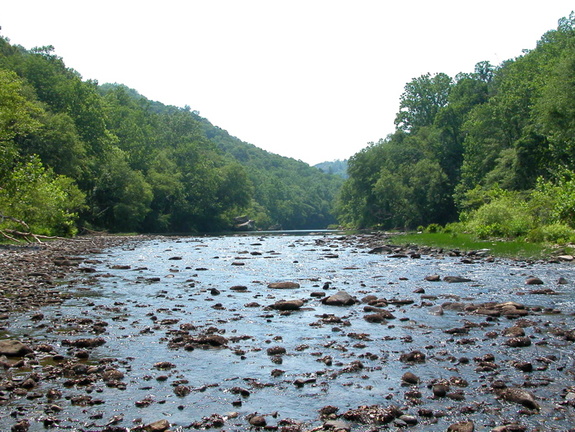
(433, 228)
(503, 217)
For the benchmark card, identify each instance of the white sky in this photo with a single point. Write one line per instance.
(315, 80)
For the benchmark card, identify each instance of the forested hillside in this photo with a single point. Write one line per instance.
(75, 154)
(493, 149)
(337, 167)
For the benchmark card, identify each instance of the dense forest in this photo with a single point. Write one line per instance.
(491, 152)
(78, 155)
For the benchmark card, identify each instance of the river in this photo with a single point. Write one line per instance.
(153, 302)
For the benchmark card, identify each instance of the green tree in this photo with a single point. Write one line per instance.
(421, 100)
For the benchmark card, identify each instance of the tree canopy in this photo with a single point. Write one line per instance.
(496, 136)
(76, 154)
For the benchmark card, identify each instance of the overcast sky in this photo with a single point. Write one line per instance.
(316, 80)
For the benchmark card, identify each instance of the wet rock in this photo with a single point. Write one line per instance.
(278, 350)
(341, 298)
(373, 414)
(533, 281)
(328, 410)
(257, 420)
(518, 342)
(157, 426)
(455, 279)
(546, 291)
(288, 305)
(85, 343)
(21, 426)
(283, 285)
(380, 249)
(182, 390)
(112, 375)
(239, 288)
(519, 396)
(514, 331)
(241, 391)
(210, 339)
(562, 281)
(567, 258)
(164, 365)
(464, 426)
(376, 318)
(409, 419)
(300, 382)
(410, 378)
(513, 427)
(507, 309)
(523, 366)
(14, 348)
(433, 278)
(336, 425)
(397, 255)
(401, 302)
(440, 389)
(412, 357)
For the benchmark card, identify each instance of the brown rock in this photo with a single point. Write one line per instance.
(440, 390)
(157, 426)
(276, 350)
(533, 281)
(14, 348)
(287, 305)
(410, 378)
(456, 279)
(412, 357)
(518, 342)
(257, 420)
(341, 298)
(376, 318)
(284, 285)
(465, 426)
(514, 331)
(520, 396)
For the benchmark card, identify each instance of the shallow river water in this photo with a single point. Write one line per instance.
(147, 295)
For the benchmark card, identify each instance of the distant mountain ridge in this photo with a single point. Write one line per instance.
(336, 167)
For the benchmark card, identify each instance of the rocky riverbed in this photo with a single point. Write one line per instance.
(278, 332)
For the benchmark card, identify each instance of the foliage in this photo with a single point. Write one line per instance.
(336, 167)
(48, 203)
(139, 165)
(494, 149)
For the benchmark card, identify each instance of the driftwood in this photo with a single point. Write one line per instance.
(15, 235)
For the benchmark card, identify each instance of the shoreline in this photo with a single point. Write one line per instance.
(30, 272)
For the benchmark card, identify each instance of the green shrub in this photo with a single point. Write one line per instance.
(559, 233)
(433, 228)
(503, 217)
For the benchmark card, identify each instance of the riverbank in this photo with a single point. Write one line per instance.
(512, 249)
(282, 332)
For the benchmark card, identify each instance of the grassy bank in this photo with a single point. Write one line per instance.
(466, 242)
